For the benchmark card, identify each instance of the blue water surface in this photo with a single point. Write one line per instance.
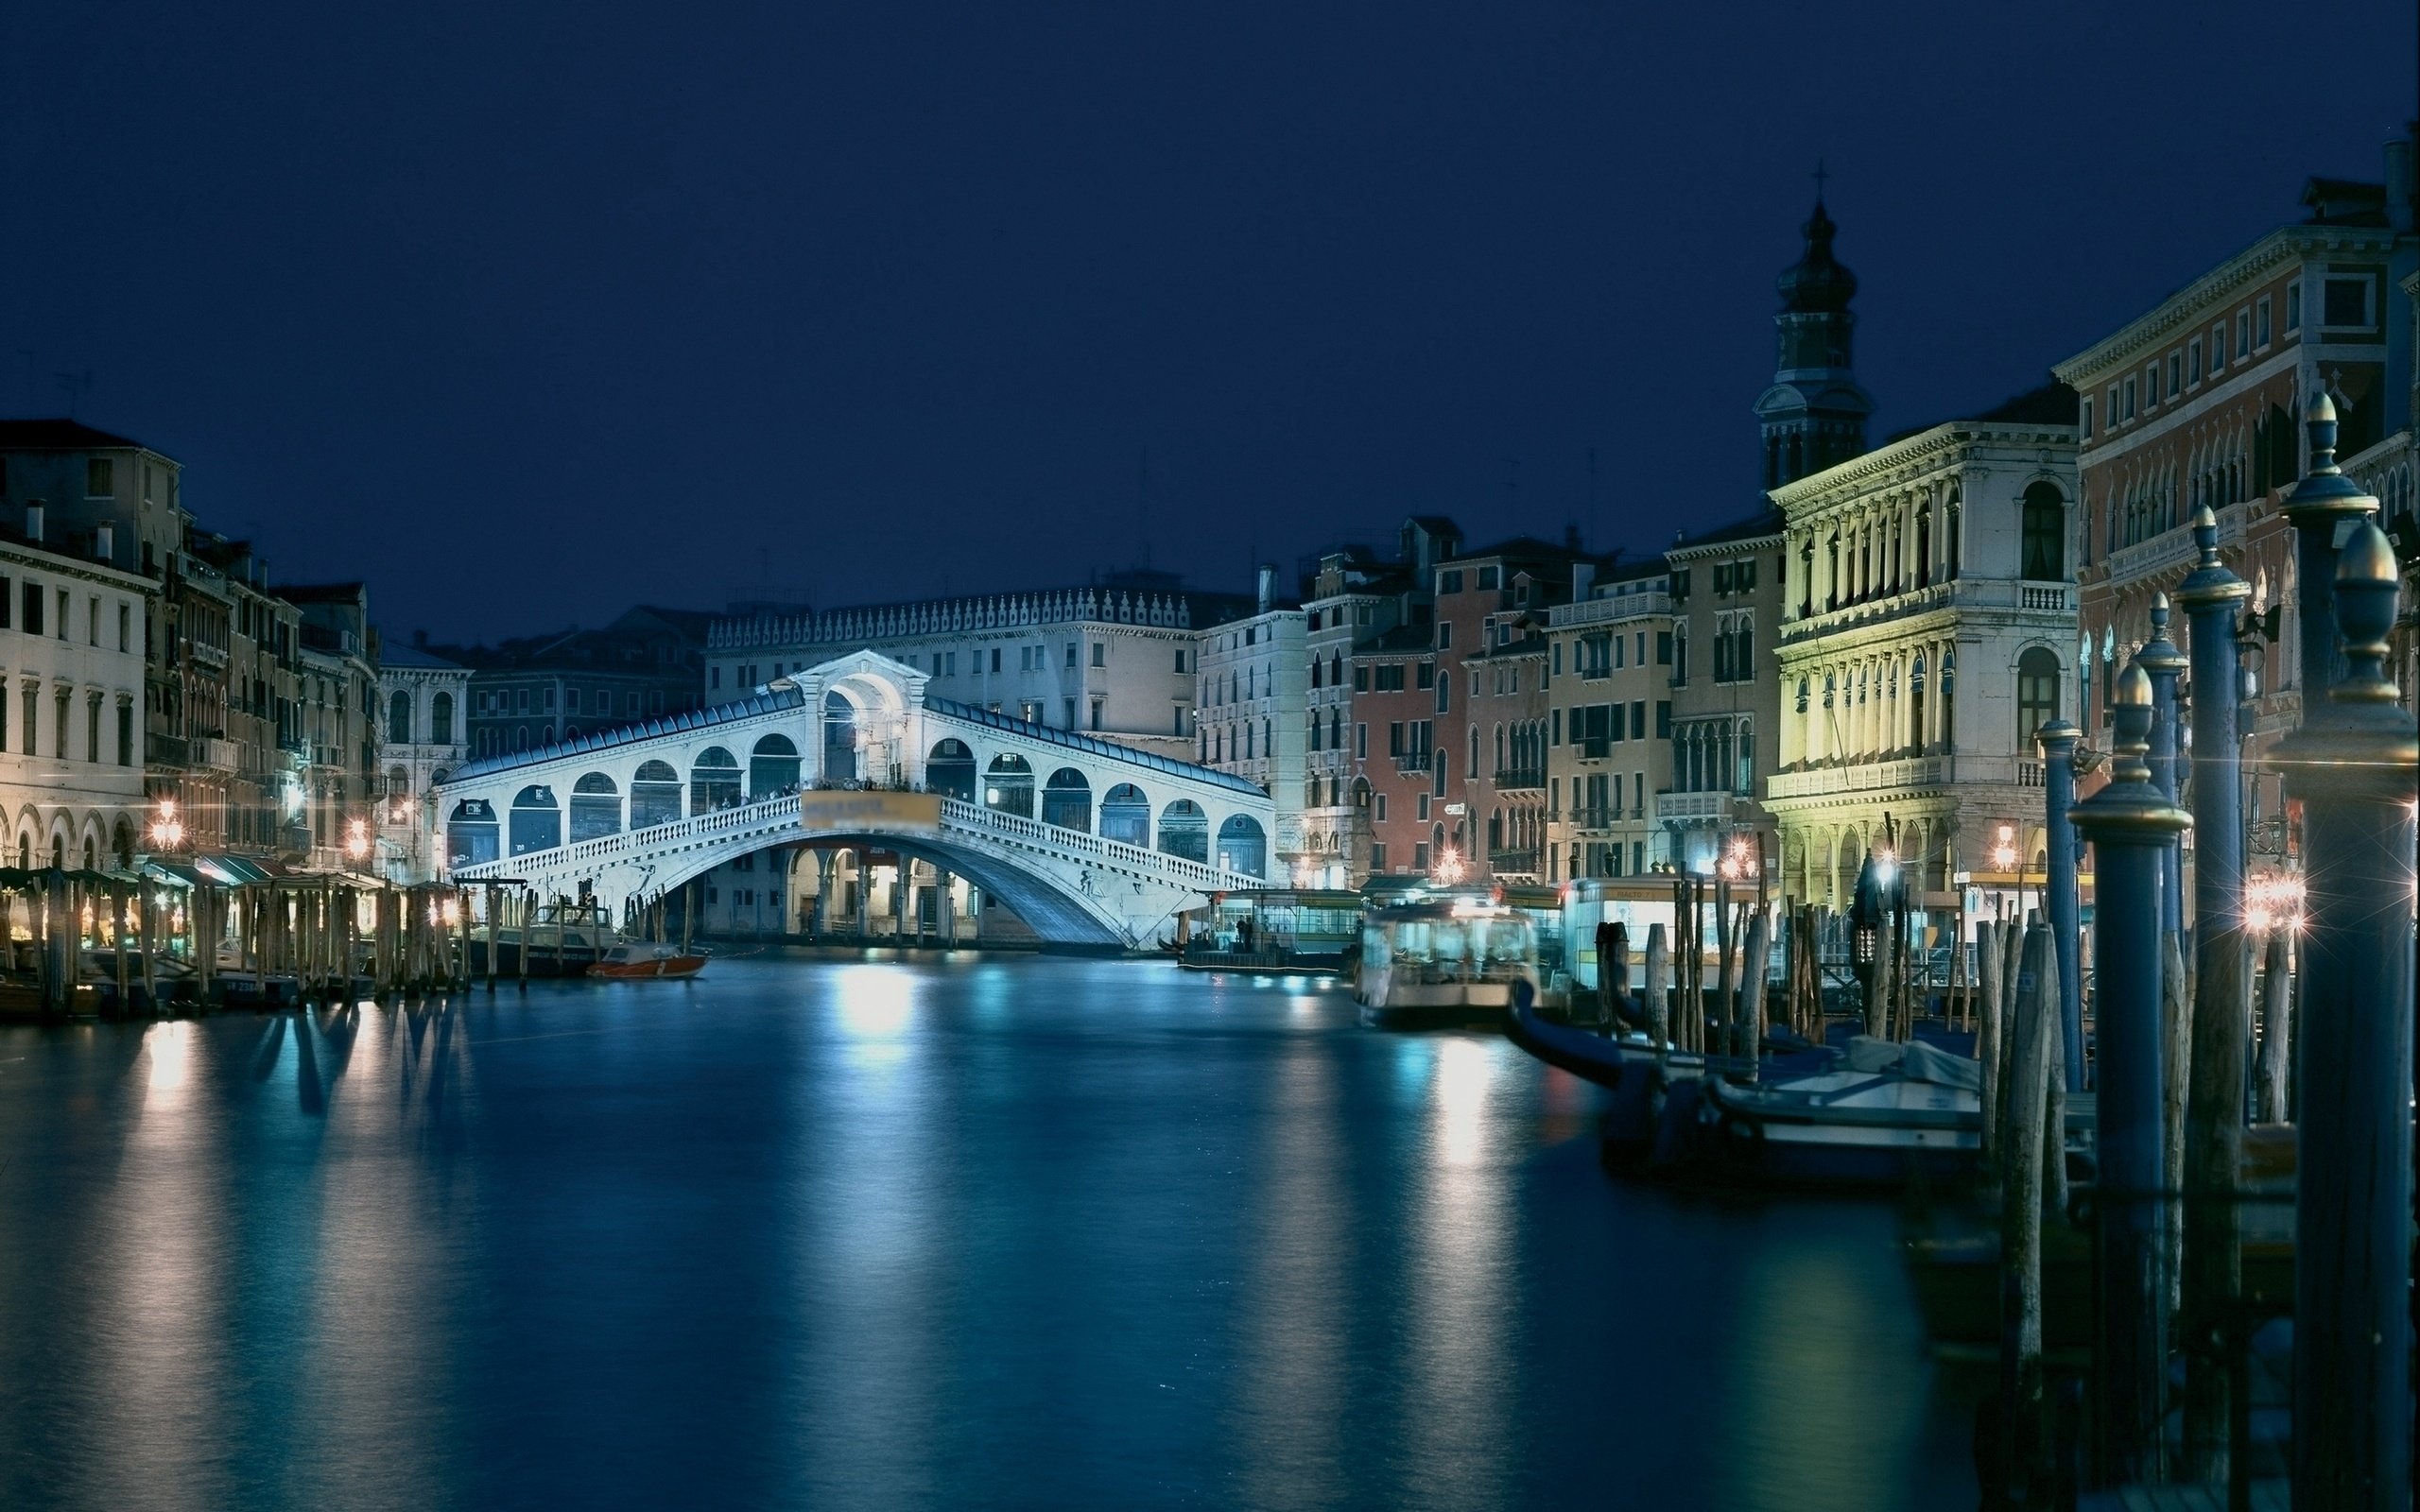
(815, 1232)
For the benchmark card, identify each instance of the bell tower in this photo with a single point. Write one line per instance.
(1814, 413)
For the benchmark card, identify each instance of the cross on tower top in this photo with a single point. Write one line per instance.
(1820, 176)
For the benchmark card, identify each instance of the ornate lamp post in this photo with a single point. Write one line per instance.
(2320, 507)
(2131, 824)
(2355, 770)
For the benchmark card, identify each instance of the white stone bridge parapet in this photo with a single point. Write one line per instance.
(1088, 841)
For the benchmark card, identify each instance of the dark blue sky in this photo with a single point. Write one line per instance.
(525, 312)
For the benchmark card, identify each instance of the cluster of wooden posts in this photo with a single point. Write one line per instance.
(1728, 1017)
(100, 942)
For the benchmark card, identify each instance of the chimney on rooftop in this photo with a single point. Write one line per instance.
(1267, 586)
(33, 521)
(105, 543)
(1584, 577)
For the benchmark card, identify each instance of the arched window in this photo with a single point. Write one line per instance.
(1949, 565)
(537, 820)
(1916, 706)
(714, 781)
(656, 795)
(2045, 543)
(1067, 801)
(595, 807)
(1126, 816)
(1923, 546)
(1008, 786)
(1444, 691)
(773, 767)
(399, 719)
(2037, 693)
(440, 719)
(1243, 846)
(1184, 831)
(950, 769)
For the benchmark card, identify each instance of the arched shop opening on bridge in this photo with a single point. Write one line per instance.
(851, 893)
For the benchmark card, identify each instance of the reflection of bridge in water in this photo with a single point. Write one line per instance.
(1088, 841)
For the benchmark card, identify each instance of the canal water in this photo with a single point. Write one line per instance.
(863, 1233)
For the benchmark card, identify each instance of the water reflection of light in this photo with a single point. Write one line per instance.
(1461, 1100)
(169, 1045)
(1459, 1371)
(162, 1345)
(1295, 1335)
(875, 1002)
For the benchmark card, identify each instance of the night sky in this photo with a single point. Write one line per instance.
(528, 312)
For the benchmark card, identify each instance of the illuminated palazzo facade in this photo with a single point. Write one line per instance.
(1928, 629)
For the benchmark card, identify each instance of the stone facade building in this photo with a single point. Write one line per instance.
(1352, 601)
(72, 633)
(1929, 631)
(1610, 668)
(1114, 659)
(2200, 400)
(420, 700)
(1250, 702)
(1725, 587)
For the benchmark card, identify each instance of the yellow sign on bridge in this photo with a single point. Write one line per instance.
(891, 812)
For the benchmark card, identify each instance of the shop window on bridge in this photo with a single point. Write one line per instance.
(1126, 816)
(950, 768)
(537, 820)
(1067, 801)
(656, 795)
(2046, 524)
(773, 767)
(595, 807)
(1184, 831)
(471, 833)
(714, 781)
(1008, 785)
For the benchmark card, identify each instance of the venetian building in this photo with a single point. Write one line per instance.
(1928, 629)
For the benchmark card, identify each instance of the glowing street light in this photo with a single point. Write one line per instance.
(2273, 900)
(1738, 862)
(356, 838)
(2004, 848)
(1449, 867)
(168, 831)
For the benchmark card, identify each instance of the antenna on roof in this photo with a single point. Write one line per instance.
(77, 384)
(1512, 482)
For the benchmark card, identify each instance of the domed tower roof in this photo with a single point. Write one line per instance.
(1817, 284)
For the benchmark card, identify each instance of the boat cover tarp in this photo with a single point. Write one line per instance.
(1917, 1061)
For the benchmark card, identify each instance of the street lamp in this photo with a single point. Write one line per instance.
(168, 831)
(1738, 862)
(356, 838)
(1448, 869)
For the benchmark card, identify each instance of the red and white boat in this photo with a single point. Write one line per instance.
(638, 960)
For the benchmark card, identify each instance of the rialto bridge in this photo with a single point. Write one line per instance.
(1091, 842)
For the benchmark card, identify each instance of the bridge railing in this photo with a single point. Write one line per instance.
(1181, 870)
(956, 814)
